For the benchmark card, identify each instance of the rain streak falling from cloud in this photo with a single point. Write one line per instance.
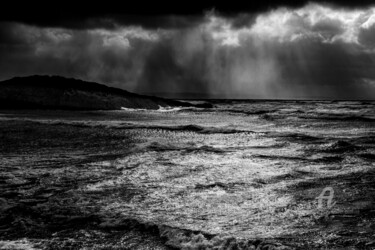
(316, 51)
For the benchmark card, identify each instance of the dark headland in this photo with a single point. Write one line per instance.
(55, 92)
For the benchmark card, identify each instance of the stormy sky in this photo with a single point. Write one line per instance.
(308, 50)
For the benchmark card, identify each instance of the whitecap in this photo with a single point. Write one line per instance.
(132, 110)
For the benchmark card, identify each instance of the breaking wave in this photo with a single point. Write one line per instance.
(133, 110)
(295, 137)
(158, 146)
(179, 238)
(161, 109)
(188, 128)
(340, 147)
(179, 128)
(335, 117)
(174, 109)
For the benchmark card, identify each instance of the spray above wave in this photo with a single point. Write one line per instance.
(161, 109)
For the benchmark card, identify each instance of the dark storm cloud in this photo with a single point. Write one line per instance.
(313, 51)
(113, 21)
(98, 55)
(148, 14)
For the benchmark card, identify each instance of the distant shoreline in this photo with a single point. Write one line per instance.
(55, 92)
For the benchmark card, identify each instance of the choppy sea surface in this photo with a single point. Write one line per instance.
(242, 175)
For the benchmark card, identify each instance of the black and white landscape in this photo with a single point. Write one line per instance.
(187, 126)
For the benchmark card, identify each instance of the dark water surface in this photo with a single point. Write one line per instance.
(244, 175)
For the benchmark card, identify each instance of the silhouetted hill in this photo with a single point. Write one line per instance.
(55, 92)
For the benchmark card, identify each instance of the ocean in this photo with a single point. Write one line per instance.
(246, 174)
